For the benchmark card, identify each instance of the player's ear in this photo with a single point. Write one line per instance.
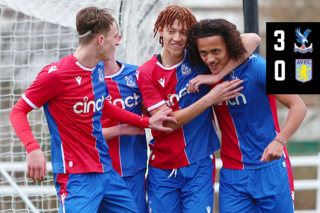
(100, 40)
(160, 30)
(118, 39)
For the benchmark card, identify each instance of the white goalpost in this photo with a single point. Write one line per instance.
(32, 35)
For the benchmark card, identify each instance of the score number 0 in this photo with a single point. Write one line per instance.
(279, 62)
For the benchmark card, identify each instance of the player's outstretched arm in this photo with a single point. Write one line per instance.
(36, 162)
(297, 112)
(124, 116)
(250, 42)
(125, 129)
(218, 94)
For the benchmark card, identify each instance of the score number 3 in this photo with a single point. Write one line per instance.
(279, 62)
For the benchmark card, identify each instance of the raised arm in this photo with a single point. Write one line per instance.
(297, 112)
(250, 42)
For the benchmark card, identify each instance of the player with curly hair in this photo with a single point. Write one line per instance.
(181, 163)
(256, 175)
(73, 93)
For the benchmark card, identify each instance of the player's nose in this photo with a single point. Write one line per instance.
(177, 37)
(211, 59)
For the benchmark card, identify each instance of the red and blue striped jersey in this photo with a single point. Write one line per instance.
(73, 96)
(248, 122)
(128, 153)
(194, 140)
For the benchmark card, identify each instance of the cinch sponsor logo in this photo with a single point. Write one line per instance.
(240, 99)
(128, 102)
(86, 107)
(172, 97)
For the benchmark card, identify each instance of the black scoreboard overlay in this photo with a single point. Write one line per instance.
(293, 57)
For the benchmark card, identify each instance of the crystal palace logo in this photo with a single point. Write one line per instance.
(232, 76)
(185, 70)
(101, 76)
(130, 81)
(302, 39)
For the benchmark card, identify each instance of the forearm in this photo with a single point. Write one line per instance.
(294, 120)
(18, 118)
(250, 42)
(187, 114)
(123, 116)
(112, 132)
(297, 112)
(220, 93)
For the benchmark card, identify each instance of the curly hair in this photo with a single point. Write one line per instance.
(213, 27)
(170, 14)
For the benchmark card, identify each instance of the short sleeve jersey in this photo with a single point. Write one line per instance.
(194, 140)
(128, 153)
(72, 96)
(248, 122)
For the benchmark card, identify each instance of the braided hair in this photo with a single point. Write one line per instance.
(170, 14)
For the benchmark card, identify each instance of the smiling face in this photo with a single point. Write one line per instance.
(174, 38)
(213, 51)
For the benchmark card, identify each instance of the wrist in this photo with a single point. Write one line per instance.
(280, 141)
(144, 122)
(207, 101)
(32, 146)
(121, 130)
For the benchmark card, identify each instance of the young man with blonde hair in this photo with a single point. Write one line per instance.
(73, 92)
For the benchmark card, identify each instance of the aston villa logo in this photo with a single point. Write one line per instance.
(303, 70)
(303, 40)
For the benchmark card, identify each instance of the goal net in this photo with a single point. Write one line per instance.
(32, 35)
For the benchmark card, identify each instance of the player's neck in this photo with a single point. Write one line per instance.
(86, 56)
(168, 59)
(111, 67)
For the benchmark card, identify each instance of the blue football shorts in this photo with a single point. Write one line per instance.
(255, 190)
(188, 189)
(93, 192)
(136, 184)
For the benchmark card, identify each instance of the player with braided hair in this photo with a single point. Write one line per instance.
(72, 92)
(256, 175)
(181, 165)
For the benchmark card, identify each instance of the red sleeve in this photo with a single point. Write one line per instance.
(18, 118)
(116, 113)
(46, 86)
(150, 94)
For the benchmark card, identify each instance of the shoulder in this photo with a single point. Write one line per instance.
(256, 60)
(65, 64)
(149, 65)
(129, 69)
(51, 72)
